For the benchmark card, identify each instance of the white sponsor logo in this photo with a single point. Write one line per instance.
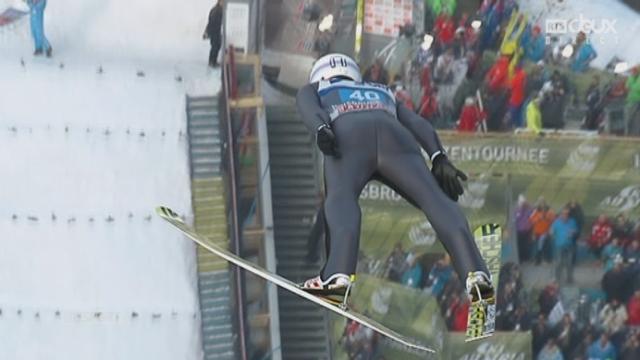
(489, 351)
(375, 191)
(599, 30)
(475, 195)
(491, 153)
(584, 158)
(422, 234)
(380, 300)
(627, 199)
(398, 346)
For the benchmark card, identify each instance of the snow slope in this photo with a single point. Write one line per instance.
(162, 30)
(621, 41)
(87, 271)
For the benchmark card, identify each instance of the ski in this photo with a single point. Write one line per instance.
(481, 321)
(175, 220)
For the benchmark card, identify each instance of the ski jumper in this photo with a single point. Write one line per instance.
(378, 139)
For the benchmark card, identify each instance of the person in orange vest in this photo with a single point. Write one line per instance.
(541, 220)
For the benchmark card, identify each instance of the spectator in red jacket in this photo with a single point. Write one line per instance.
(425, 78)
(445, 29)
(548, 298)
(518, 86)
(471, 116)
(633, 309)
(428, 103)
(601, 232)
(401, 94)
(457, 312)
(497, 78)
(471, 36)
(460, 317)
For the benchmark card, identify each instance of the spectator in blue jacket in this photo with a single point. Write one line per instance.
(439, 275)
(610, 252)
(632, 253)
(562, 230)
(534, 45)
(602, 349)
(37, 27)
(490, 26)
(412, 277)
(550, 351)
(584, 53)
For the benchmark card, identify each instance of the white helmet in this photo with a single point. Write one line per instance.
(333, 65)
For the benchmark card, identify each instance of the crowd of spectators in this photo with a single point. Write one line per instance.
(497, 70)
(594, 327)
(602, 323)
(543, 235)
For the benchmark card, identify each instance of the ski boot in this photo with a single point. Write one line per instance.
(335, 289)
(482, 310)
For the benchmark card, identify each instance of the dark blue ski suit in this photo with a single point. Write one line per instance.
(378, 138)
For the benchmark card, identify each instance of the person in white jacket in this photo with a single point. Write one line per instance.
(613, 316)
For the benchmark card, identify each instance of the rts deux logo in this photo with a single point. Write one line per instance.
(602, 30)
(581, 23)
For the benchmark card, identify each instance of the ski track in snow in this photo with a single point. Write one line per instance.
(86, 158)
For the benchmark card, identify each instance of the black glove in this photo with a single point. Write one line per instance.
(327, 142)
(448, 177)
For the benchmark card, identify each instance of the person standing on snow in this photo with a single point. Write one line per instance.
(213, 32)
(42, 45)
(365, 134)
